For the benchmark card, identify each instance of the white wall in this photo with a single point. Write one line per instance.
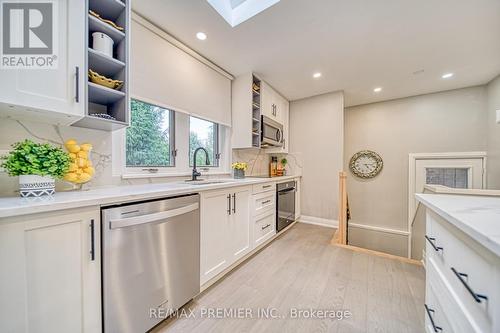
(493, 164)
(317, 140)
(451, 121)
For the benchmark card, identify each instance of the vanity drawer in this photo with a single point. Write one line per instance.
(449, 313)
(264, 187)
(264, 227)
(435, 316)
(264, 202)
(468, 269)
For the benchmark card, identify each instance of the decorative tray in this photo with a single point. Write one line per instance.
(104, 81)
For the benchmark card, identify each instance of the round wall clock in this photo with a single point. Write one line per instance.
(366, 164)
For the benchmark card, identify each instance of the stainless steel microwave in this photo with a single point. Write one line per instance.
(272, 133)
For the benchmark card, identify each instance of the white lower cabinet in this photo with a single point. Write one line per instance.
(462, 280)
(50, 279)
(264, 227)
(225, 229)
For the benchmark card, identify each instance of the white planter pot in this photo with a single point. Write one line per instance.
(36, 186)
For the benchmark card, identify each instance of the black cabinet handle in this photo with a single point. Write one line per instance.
(266, 226)
(229, 201)
(429, 313)
(462, 276)
(234, 203)
(92, 241)
(77, 84)
(266, 186)
(431, 241)
(265, 202)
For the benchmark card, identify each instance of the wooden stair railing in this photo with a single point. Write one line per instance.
(340, 236)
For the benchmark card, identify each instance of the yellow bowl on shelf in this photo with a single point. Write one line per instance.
(104, 81)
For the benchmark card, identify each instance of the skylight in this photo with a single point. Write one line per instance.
(238, 11)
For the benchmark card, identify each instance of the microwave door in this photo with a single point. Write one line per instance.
(272, 132)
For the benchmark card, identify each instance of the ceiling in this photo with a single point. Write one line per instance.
(403, 46)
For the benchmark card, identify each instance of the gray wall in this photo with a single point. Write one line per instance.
(493, 162)
(449, 121)
(316, 139)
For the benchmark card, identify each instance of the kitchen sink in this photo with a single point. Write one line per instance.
(208, 181)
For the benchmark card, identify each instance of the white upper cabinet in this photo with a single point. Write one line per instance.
(55, 95)
(251, 98)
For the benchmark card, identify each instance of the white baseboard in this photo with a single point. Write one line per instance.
(319, 221)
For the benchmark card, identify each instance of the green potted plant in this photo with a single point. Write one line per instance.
(284, 162)
(37, 165)
(239, 169)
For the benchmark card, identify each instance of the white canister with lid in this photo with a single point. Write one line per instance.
(102, 43)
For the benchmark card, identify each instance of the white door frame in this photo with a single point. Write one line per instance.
(412, 160)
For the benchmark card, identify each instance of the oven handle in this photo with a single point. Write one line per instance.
(149, 218)
(280, 192)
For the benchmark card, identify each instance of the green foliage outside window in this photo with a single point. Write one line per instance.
(202, 134)
(148, 137)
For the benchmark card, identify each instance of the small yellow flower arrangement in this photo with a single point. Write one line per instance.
(239, 166)
(239, 169)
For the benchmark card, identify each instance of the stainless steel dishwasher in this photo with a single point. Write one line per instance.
(151, 261)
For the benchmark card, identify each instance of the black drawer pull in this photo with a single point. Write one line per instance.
(431, 241)
(266, 186)
(429, 313)
(92, 241)
(477, 297)
(266, 226)
(266, 202)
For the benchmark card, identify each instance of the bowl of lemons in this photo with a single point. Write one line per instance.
(80, 169)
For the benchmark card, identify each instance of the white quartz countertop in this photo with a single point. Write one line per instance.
(477, 216)
(106, 196)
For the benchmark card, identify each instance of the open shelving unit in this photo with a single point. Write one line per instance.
(256, 112)
(99, 99)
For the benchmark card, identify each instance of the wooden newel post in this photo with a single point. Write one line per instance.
(340, 236)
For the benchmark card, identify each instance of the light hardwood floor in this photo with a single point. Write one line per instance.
(302, 270)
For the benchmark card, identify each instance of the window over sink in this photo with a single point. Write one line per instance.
(161, 141)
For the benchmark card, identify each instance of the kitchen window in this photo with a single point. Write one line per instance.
(160, 142)
(150, 137)
(203, 133)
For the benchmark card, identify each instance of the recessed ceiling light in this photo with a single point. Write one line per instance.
(447, 75)
(378, 89)
(316, 75)
(201, 35)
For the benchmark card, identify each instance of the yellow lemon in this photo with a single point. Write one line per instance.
(84, 177)
(81, 162)
(73, 148)
(72, 156)
(70, 177)
(89, 163)
(72, 167)
(89, 170)
(82, 154)
(86, 146)
(79, 171)
(70, 142)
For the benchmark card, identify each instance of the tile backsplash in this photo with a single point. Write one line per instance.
(12, 131)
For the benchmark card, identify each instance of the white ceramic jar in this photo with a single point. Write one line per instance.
(102, 43)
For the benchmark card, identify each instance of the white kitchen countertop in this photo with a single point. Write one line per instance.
(477, 216)
(16, 206)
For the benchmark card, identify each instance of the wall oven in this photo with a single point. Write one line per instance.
(285, 204)
(272, 133)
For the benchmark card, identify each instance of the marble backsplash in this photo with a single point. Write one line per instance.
(12, 131)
